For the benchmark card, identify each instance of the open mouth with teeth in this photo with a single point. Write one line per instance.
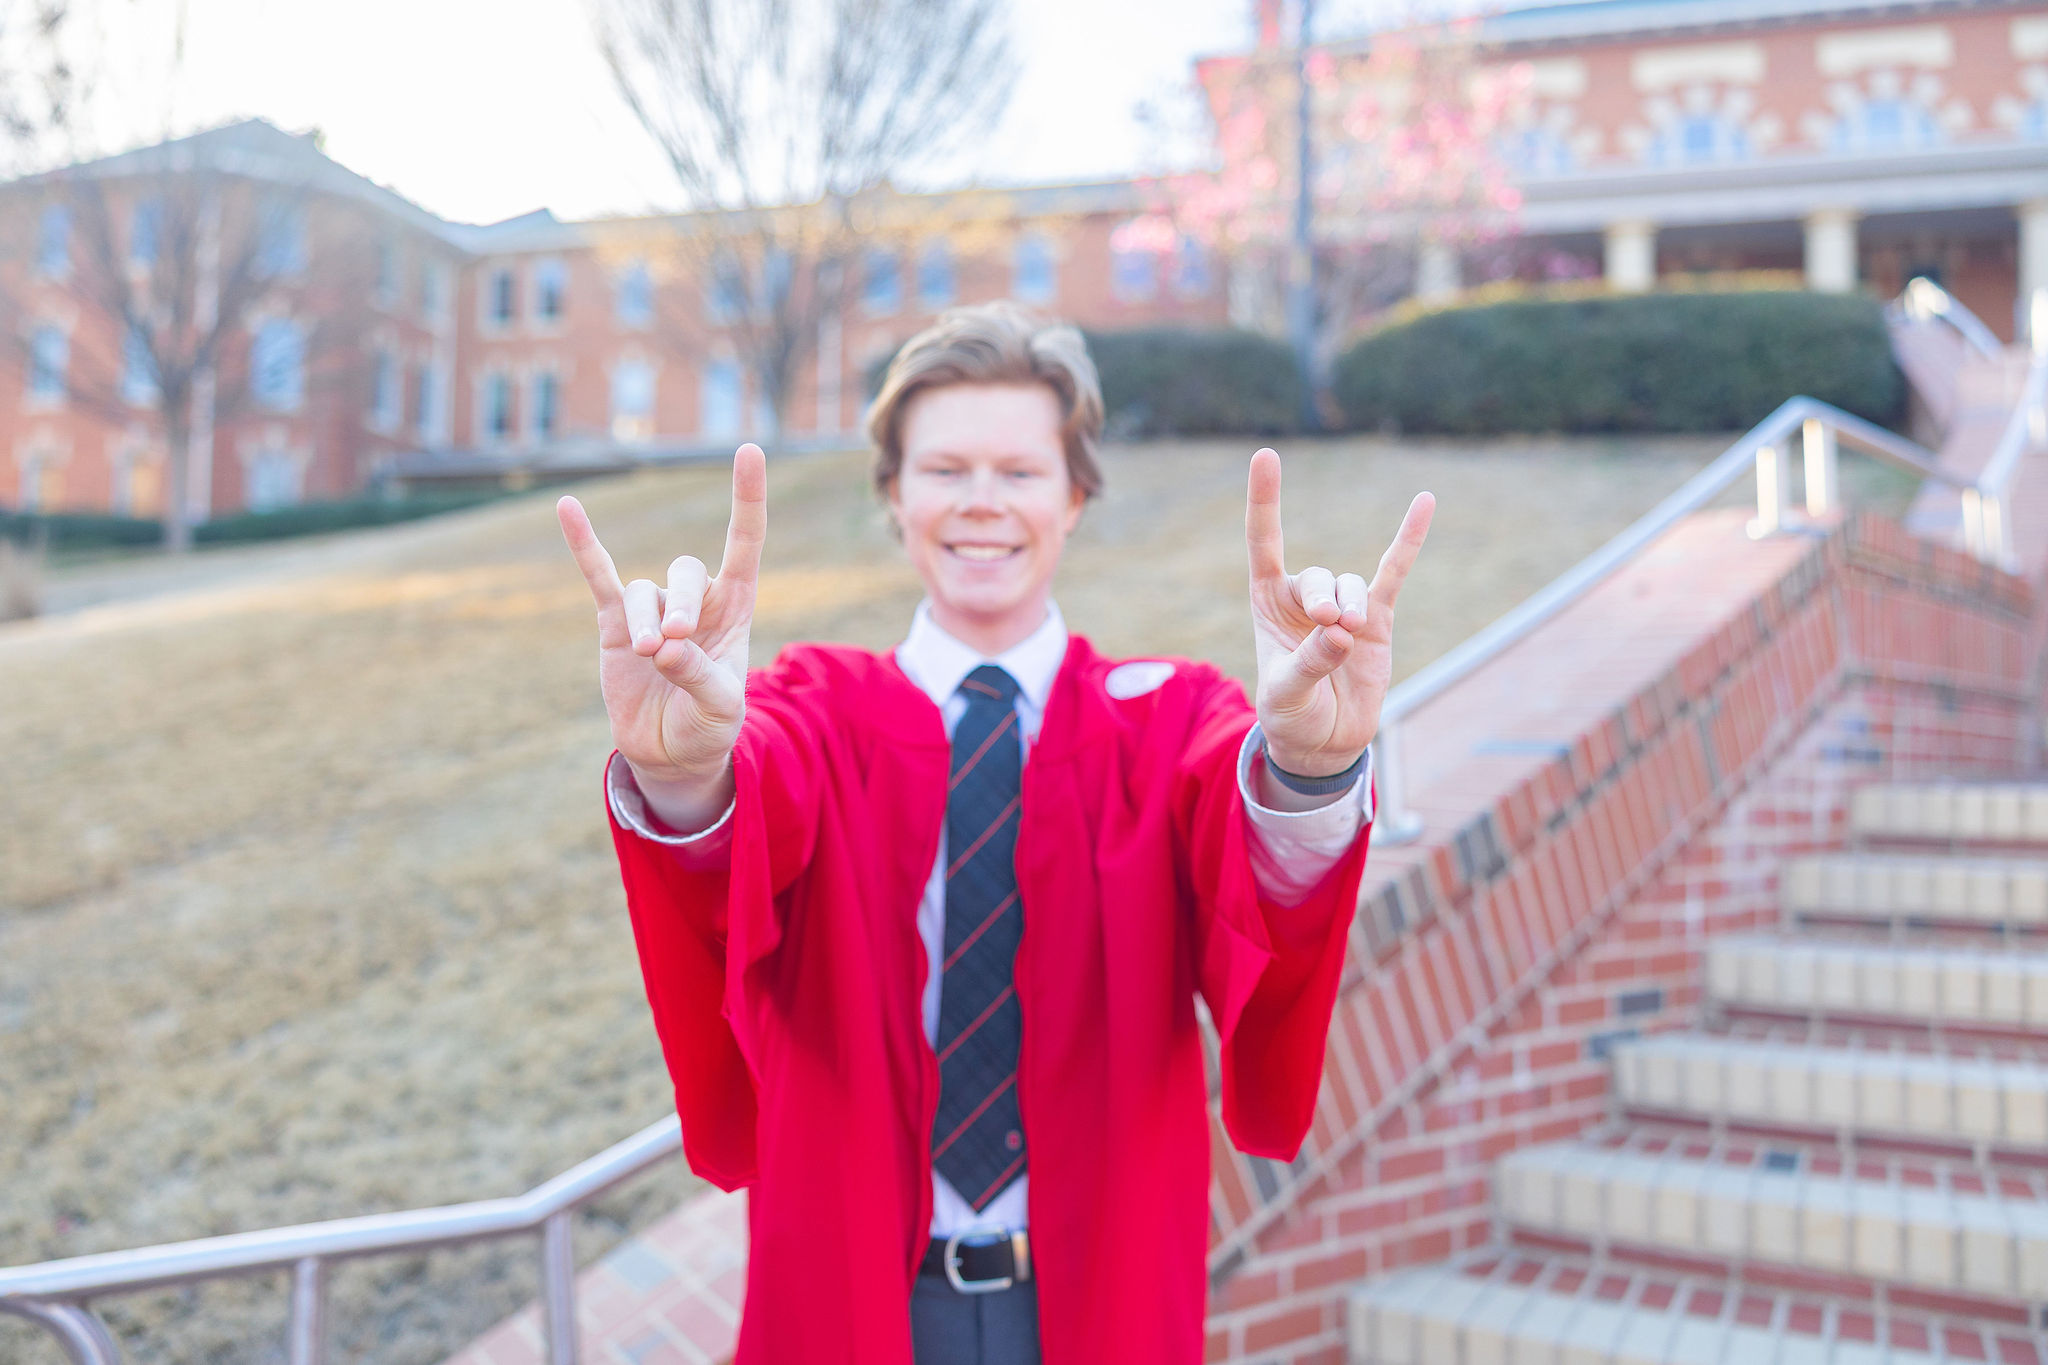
(985, 553)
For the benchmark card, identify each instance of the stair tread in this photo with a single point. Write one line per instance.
(1526, 1305)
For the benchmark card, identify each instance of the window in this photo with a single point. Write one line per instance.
(387, 273)
(544, 401)
(138, 480)
(1133, 273)
(53, 242)
(281, 240)
(49, 355)
(145, 231)
(633, 301)
(935, 276)
(1191, 274)
(501, 299)
(776, 272)
(387, 382)
(496, 418)
(42, 480)
(1032, 277)
(726, 299)
(550, 285)
(882, 282)
(275, 480)
(433, 291)
(428, 397)
(632, 400)
(277, 365)
(720, 418)
(138, 369)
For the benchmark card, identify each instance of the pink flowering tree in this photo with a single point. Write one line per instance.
(1410, 169)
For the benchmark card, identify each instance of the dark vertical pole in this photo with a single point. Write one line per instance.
(1301, 274)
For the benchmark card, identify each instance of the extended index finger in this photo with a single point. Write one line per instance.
(749, 526)
(591, 556)
(1262, 518)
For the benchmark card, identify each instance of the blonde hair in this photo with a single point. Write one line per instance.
(993, 343)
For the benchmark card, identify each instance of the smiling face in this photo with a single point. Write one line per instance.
(985, 506)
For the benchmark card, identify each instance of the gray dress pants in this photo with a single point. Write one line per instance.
(948, 1327)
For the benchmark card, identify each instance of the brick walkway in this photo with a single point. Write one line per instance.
(670, 1296)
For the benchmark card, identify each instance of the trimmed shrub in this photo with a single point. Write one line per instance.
(75, 531)
(312, 518)
(1186, 381)
(78, 530)
(1176, 381)
(1651, 362)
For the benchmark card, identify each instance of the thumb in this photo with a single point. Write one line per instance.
(685, 664)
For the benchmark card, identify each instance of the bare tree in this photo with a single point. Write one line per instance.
(189, 293)
(783, 121)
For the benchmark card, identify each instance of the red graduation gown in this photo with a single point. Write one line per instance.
(786, 989)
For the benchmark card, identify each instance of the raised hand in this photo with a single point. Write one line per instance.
(672, 661)
(1325, 641)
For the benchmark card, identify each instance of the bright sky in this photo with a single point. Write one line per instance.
(481, 109)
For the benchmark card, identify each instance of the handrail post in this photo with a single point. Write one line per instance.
(1773, 492)
(558, 1287)
(1393, 822)
(1822, 483)
(78, 1330)
(308, 1344)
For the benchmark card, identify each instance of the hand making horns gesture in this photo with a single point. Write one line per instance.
(673, 661)
(1325, 641)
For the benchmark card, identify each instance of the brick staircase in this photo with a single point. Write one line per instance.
(1847, 1161)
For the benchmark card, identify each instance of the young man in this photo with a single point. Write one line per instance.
(933, 1003)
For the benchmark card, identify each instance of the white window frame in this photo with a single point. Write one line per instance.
(296, 400)
(532, 407)
(537, 272)
(626, 426)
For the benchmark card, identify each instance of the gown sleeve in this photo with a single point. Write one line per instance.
(1268, 971)
(700, 925)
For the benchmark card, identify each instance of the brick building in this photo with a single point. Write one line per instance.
(374, 334)
(1853, 143)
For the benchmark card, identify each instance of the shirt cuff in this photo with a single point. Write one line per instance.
(1291, 851)
(629, 805)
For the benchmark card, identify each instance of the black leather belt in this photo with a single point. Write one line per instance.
(990, 1262)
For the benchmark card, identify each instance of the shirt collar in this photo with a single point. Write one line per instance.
(938, 663)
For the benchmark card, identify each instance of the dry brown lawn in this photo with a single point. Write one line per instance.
(307, 904)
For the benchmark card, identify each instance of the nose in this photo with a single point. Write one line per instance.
(981, 493)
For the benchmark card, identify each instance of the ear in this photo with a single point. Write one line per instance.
(1077, 499)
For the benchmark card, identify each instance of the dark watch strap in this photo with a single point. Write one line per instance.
(1312, 786)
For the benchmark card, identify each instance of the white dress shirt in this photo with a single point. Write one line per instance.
(1290, 850)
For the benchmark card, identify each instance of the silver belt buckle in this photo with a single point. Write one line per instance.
(995, 1235)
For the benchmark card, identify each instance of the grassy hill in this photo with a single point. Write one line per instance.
(307, 904)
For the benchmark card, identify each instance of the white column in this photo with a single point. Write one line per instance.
(1632, 256)
(1831, 251)
(1437, 274)
(2033, 217)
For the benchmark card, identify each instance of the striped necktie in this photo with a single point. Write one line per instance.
(978, 1135)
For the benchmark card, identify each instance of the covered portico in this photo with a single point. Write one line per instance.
(1975, 218)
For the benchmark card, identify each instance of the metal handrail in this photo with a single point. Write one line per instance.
(1926, 301)
(53, 1293)
(1822, 427)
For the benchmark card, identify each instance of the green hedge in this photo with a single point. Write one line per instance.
(312, 518)
(1652, 362)
(75, 531)
(78, 530)
(1185, 381)
(1178, 381)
